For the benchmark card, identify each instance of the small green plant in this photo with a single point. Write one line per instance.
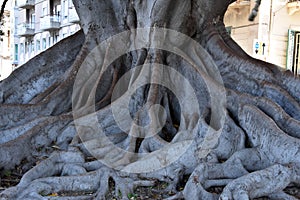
(44, 193)
(132, 196)
(119, 194)
(164, 185)
(7, 173)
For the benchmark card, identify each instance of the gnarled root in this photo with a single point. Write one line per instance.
(67, 173)
(265, 182)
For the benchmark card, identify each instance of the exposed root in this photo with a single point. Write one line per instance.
(37, 141)
(66, 173)
(260, 183)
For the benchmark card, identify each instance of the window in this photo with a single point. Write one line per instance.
(16, 56)
(8, 35)
(32, 46)
(65, 9)
(44, 43)
(293, 52)
(296, 63)
(16, 22)
(27, 47)
(55, 38)
(22, 48)
(27, 15)
(32, 20)
(57, 10)
(51, 7)
(44, 11)
(38, 45)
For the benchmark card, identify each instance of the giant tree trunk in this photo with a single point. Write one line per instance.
(150, 93)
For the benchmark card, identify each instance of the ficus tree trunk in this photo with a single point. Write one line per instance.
(150, 93)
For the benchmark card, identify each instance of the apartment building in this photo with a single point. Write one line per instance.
(39, 24)
(274, 36)
(5, 42)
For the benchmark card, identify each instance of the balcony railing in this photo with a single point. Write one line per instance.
(293, 6)
(25, 29)
(49, 22)
(25, 3)
(73, 17)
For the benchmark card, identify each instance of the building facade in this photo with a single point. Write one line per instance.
(39, 24)
(5, 44)
(274, 36)
(36, 25)
(241, 29)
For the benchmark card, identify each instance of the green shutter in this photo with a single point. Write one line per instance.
(290, 50)
(16, 52)
(228, 28)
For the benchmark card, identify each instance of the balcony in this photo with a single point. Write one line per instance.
(73, 17)
(48, 23)
(293, 6)
(25, 29)
(239, 5)
(26, 4)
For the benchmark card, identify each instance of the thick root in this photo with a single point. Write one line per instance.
(260, 183)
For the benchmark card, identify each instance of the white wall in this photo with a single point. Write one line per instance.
(5, 48)
(243, 31)
(281, 22)
(271, 26)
